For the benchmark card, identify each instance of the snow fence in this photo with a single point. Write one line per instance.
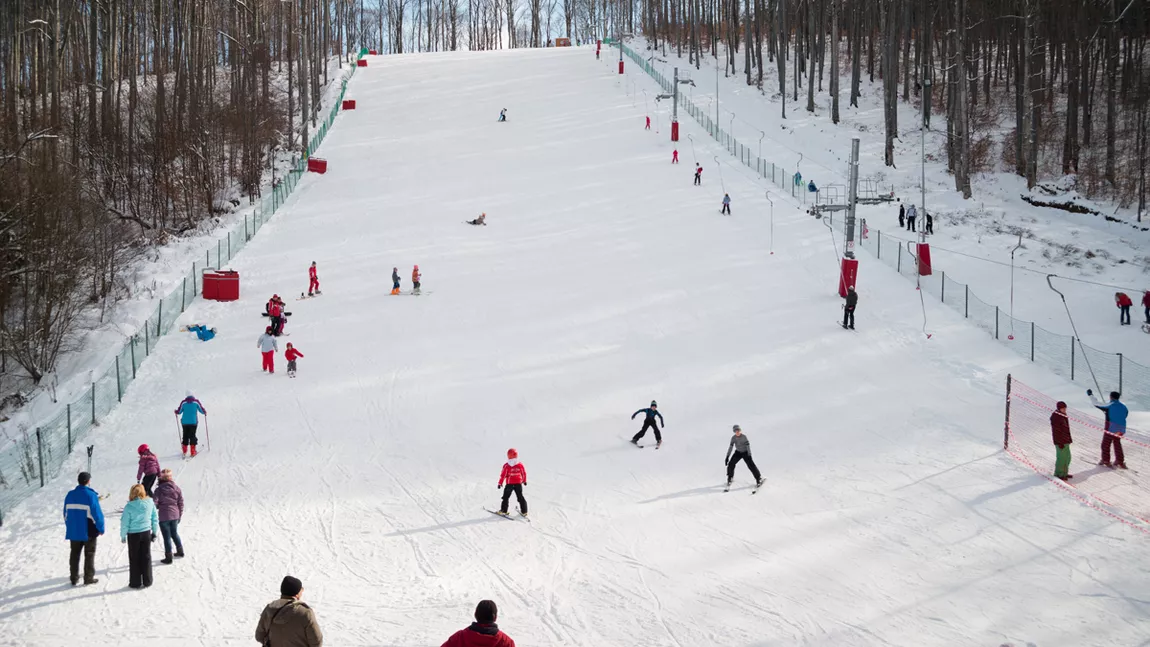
(38, 454)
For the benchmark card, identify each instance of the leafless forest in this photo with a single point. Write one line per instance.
(123, 122)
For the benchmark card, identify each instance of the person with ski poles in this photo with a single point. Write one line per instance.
(649, 415)
(313, 280)
(515, 475)
(268, 347)
(742, 452)
(189, 411)
(726, 204)
(149, 468)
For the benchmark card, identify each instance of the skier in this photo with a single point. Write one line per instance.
(415, 276)
(1146, 305)
(276, 311)
(698, 174)
(929, 222)
(290, 355)
(1123, 302)
(1060, 430)
(84, 521)
(189, 410)
(483, 632)
(648, 123)
(313, 280)
(902, 216)
(515, 475)
(480, 220)
(1115, 428)
(910, 216)
(268, 347)
(849, 308)
(503, 115)
(395, 280)
(726, 204)
(675, 160)
(139, 524)
(742, 449)
(650, 413)
(202, 332)
(169, 502)
(149, 468)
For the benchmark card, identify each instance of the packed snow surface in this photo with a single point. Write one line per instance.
(602, 280)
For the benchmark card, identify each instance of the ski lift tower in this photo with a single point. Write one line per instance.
(675, 103)
(621, 37)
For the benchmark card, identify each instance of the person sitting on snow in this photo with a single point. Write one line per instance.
(203, 332)
(479, 221)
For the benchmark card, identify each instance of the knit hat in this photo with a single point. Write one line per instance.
(511, 453)
(165, 474)
(142, 449)
(188, 394)
(289, 344)
(736, 428)
(290, 587)
(269, 329)
(1060, 405)
(654, 404)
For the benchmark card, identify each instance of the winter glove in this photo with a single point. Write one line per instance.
(1089, 392)
(123, 541)
(726, 461)
(499, 487)
(153, 539)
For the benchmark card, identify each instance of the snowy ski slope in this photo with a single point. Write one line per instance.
(603, 279)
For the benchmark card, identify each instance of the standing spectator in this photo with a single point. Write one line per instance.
(929, 222)
(910, 216)
(483, 632)
(1146, 305)
(698, 174)
(742, 452)
(1116, 413)
(84, 523)
(313, 280)
(169, 501)
(288, 622)
(1123, 301)
(189, 412)
(726, 204)
(849, 308)
(901, 216)
(1060, 428)
(268, 347)
(139, 524)
(149, 469)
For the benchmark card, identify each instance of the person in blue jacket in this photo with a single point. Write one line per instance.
(189, 411)
(84, 521)
(649, 421)
(139, 525)
(203, 332)
(1116, 413)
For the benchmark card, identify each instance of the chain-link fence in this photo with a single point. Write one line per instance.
(1062, 354)
(38, 453)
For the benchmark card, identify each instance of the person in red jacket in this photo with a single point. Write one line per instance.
(515, 475)
(313, 280)
(1124, 304)
(648, 123)
(675, 156)
(290, 354)
(1146, 305)
(1060, 430)
(483, 632)
(276, 312)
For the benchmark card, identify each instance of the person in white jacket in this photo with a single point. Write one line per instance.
(268, 347)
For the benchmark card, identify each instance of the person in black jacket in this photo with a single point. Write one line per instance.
(649, 421)
(849, 308)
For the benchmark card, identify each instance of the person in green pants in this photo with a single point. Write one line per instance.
(1060, 429)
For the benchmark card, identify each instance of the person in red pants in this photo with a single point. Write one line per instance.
(268, 347)
(675, 159)
(313, 280)
(648, 123)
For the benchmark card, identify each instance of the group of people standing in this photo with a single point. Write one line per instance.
(1114, 429)
(1124, 303)
(907, 218)
(416, 275)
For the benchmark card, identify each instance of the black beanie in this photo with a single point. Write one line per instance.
(486, 612)
(290, 587)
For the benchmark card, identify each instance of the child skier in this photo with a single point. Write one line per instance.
(515, 475)
(290, 355)
(268, 347)
(742, 452)
(698, 174)
(395, 280)
(202, 332)
(675, 156)
(649, 421)
(415, 276)
(313, 280)
(149, 468)
(479, 221)
(189, 410)
(726, 204)
(648, 124)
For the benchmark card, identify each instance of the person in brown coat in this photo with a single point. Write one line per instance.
(1060, 429)
(288, 622)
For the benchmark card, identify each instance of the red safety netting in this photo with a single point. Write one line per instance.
(1119, 493)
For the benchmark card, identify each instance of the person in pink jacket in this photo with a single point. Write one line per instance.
(149, 468)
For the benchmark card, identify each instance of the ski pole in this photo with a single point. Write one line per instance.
(207, 433)
(179, 430)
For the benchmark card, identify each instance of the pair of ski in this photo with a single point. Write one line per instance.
(303, 296)
(657, 445)
(521, 516)
(410, 294)
(753, 490)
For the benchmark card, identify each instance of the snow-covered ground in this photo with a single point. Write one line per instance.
(986, 227)
(603, 280)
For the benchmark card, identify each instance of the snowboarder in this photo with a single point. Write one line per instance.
(698, 174)
(1115, 428)
(139, 524)
(1146, 305)
(514, 474)
(1060, 429)
(902, 216)
(929, 222)
(1123, 302)
(268, 347)
(202, 332)
(415, 276)
(648, 123)
(675, 160)
(395, 280)
(483, 632)
(910, 216)
(290, 355)
(149, 468)
(313, 280)
(481, 220)
(726, 204)
(84, 523)
(288, 620)
(169, 501)
(742, 452)
(503, 115)
(189, 410)
(849, 308)
(650, 413)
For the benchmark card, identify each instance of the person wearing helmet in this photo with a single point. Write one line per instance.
(189, 411)
(649, 421)
(742, 452)
(149, 469)
(395, 280)
(276, 312)
(415, 276)
(514, 474)
(313, 280)
(268, 347)
(291, 354)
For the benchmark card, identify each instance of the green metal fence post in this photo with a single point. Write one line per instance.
(160, 320)
(93, 403)
(69, 428)
(119, 387)
(40, 453)
(133, 346)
